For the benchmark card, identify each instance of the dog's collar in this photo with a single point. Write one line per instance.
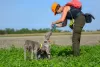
(41, 45)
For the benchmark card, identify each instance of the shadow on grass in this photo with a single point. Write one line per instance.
(65, 52)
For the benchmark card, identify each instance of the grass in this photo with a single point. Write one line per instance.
(61, 57)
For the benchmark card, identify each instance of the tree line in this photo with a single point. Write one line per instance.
(30, 31)
(26, 31)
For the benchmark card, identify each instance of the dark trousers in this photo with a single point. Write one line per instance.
(77, 28)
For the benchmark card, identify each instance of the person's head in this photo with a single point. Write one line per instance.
(56, 8)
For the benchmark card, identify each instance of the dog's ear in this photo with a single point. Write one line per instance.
(45, 37)
(48, 34)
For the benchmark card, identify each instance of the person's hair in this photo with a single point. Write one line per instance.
(57, 8)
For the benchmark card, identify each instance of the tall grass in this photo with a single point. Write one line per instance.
(61, 57)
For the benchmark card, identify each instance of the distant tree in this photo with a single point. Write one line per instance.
(98, 30)
(28, 31)
(9, 31)
(2, 32)
(66, 31)
(34, 30)
(83, 30)
(23, 31)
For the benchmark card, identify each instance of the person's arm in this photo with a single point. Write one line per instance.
(64, 14)
(64, 23)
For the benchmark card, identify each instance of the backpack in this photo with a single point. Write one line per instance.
(74, 3)
(89, 17)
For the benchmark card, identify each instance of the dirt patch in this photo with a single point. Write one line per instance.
(91, 39)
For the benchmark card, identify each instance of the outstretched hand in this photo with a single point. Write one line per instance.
(52, 25)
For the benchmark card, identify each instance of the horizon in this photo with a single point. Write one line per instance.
(46, 28)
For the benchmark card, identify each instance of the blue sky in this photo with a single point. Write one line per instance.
(37, 14)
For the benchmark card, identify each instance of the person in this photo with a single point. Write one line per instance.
(69, 12)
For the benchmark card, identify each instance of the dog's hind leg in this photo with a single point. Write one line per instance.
(32, 51)
(35, 54)
(24, 53)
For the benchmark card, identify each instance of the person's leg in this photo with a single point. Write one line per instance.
(78, 26)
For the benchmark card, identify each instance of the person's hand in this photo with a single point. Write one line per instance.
(52, 24)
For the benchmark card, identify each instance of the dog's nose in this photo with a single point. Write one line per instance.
(45, 41)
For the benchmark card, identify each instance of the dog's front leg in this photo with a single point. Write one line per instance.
(48, 56)
(48, 53)
(38, 56)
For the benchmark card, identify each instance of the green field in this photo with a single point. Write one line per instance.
(61, 57)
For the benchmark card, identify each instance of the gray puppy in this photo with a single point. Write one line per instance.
(34, 48)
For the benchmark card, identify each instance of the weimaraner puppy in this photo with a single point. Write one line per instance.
(34, 48)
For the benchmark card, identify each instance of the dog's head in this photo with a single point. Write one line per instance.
(45, 49)
(47, 36)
